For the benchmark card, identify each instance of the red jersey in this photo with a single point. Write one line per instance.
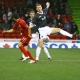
(21, 26)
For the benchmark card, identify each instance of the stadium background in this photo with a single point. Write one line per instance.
(65, 64)
(67, 9)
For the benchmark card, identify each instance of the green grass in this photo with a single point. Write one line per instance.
(65, 65)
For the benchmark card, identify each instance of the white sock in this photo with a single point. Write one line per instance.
(47, 52)
(23, 55)
(65, 33)
(38, 50)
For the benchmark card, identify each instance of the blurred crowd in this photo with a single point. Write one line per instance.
(59, 13)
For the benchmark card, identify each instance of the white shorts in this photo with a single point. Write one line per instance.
(44, 31)
(35, 37)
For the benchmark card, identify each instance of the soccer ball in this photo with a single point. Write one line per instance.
(46, 40)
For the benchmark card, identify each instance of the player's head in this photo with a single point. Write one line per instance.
(32, 14)
(15, 16)
(38, 7)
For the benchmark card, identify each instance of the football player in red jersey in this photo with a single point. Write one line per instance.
(21, 25)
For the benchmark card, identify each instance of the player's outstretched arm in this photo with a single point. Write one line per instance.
(47, 4)
(31, 25)
(8, 31)
(47, 7)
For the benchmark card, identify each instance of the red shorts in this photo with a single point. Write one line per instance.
(25, 41)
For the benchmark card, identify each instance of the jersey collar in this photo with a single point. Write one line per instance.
(40, 13)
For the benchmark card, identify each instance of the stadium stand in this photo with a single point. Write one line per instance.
(25, 7)
(75, 5)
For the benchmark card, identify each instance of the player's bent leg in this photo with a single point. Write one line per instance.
(29, 55)
(66, 33)
(55, 30)
(24, 43)
(24, 57)
(32, 60)
(26, 48)
(40, 43)
(46, 39)
(20, 45)
(47, 53)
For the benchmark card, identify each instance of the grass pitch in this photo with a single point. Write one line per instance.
(65, 65)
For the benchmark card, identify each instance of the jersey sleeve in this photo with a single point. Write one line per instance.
(46, 10)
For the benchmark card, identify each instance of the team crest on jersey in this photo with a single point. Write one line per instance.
(44, 18)
(39, 16)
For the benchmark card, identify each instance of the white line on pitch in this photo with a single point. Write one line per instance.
(48, 60)
(63, 60)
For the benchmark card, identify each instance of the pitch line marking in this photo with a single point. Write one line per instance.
(48, 60)
(63, 60)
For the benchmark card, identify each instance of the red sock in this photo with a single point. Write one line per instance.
(29, 54)
(23, 51)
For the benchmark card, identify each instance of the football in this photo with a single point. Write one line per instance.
(46, 40)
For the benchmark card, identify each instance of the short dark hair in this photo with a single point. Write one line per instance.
(15, 15)
(32, 11)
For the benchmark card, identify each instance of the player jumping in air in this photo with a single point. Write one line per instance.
(40, 21)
